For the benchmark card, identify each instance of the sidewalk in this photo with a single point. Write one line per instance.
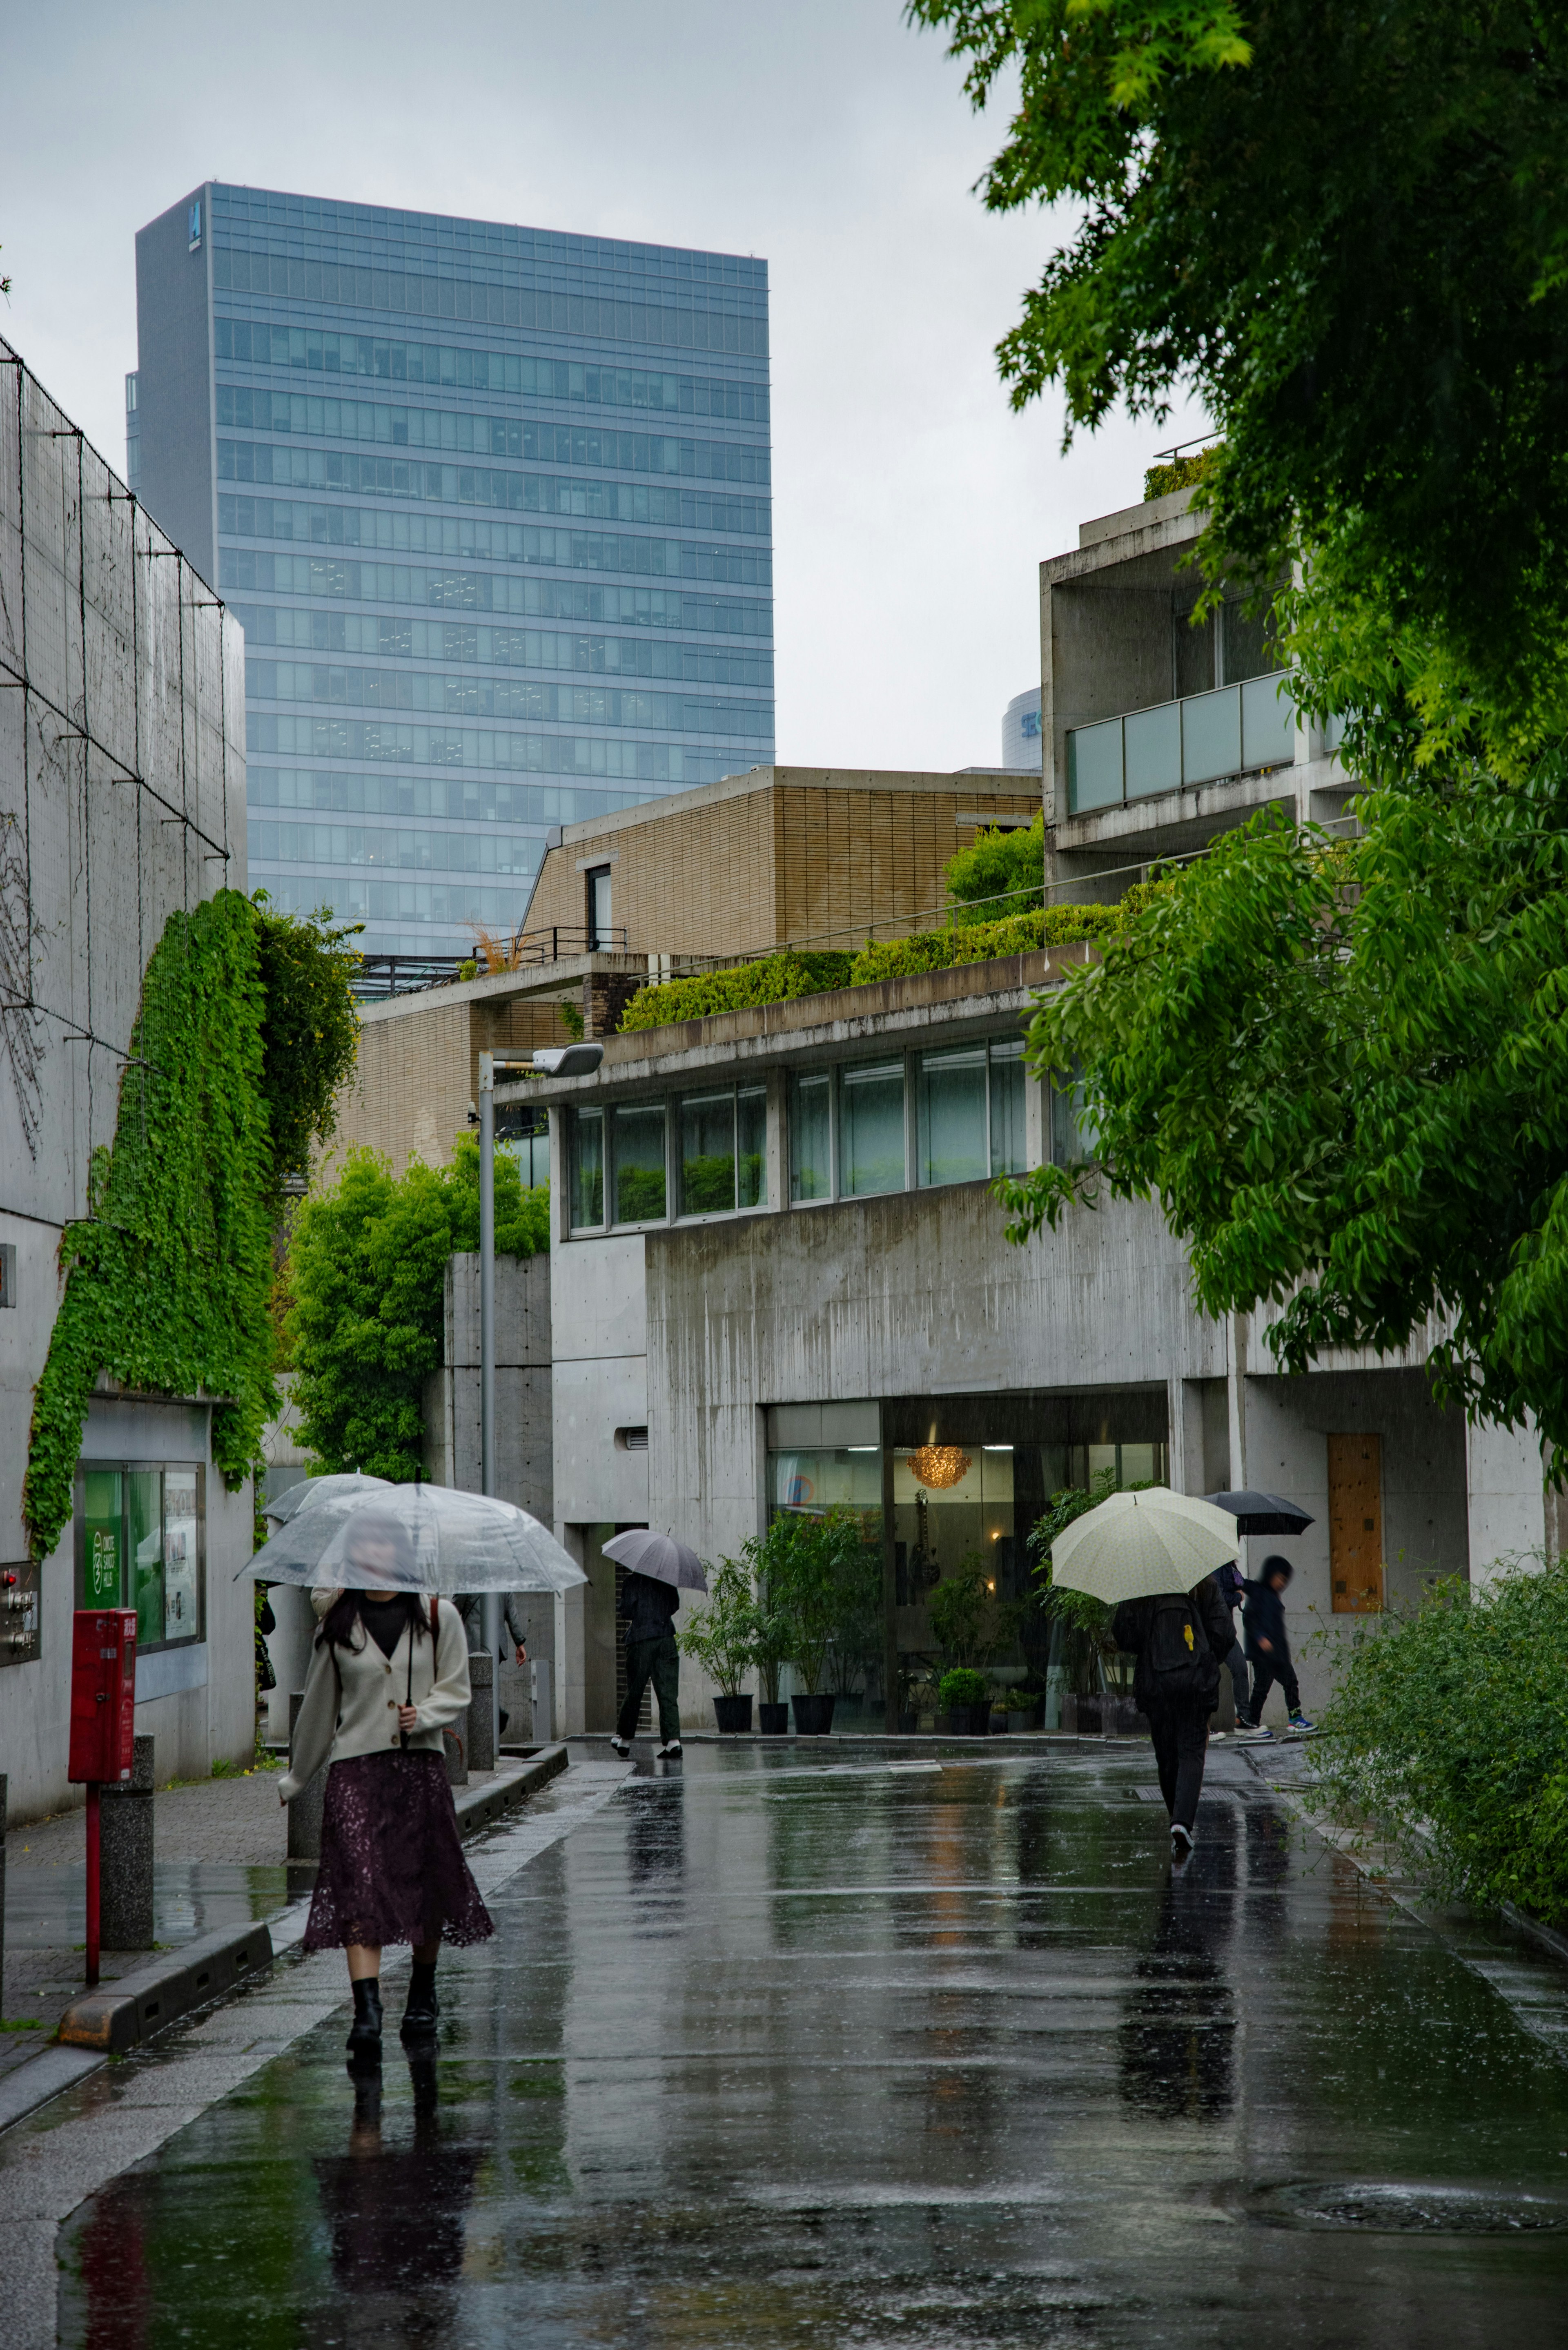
(220, 1860)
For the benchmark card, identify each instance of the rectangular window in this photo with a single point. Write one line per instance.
(587, 1175)
(141, 1544)
(1009, 1075)
(1072, 1130)
(600, 935)
(708, 1155)
(526, 1133)
(811, 1137)
(751, 1147)
(951, 1111)
(871, 1130)
(637, 1159)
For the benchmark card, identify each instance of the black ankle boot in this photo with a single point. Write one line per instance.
(423, 2008)
(364, 2033)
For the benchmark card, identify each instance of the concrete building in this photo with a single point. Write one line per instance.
(122, 798)
(853, 1313)
(493, 505)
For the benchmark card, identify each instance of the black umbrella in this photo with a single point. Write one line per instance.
(1262, 1513)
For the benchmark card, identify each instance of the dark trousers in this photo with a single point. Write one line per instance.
(1238, 1665)
(1266, 1671)
(1180, 1734)
(658, 1661)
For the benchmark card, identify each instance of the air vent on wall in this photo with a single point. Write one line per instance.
(631, 1439)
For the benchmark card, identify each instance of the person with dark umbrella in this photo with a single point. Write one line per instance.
(657, 1570)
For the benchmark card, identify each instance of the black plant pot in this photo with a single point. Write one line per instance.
(813, 1715)
(733, 1713)
(773, 1720)
(908, 1723)
(971, 1720)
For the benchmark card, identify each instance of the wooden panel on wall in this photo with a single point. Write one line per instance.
(1355, 1524)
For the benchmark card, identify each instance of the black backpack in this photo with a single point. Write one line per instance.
(1177, 1660)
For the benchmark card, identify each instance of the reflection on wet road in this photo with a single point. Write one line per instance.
(772, 2055)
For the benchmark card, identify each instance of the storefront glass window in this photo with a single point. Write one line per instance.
(146, 1594)
(707, 1154)
(871, 1130)
(811, 1137)
(140, 1544)
(637, 1147)
(587, 1180)
(950, 1108)
(181, 1594)
(103, 1537)
(751, 1146)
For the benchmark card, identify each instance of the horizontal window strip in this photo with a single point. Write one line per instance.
(257, 571)
(483, 697)
(469, 799)
(398, 533)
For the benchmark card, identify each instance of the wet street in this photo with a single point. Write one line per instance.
(773, 2052)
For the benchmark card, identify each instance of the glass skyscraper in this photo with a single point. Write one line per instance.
(493, 505)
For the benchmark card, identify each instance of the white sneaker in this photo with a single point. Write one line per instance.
(1180, 1841)
(620, 1745)
(670, 1754)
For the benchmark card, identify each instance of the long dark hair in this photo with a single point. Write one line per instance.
(346, 1615)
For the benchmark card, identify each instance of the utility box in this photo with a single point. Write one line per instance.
(103, 1694)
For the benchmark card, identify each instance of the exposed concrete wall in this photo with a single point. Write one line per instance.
(121, 800)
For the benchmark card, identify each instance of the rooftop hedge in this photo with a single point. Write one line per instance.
(780, 978)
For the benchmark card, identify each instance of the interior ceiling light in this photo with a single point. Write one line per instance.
(939, 1465)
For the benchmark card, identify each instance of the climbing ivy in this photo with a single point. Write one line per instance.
(167, 1276)
(311, 1033)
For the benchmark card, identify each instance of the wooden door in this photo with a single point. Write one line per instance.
(1355, 1524)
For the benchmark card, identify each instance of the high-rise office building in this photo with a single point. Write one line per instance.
(493, 505)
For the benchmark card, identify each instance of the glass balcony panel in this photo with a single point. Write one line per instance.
(1211, 735)
(638, 1145)
(951, 1106)
(871, 1130)
(1094, 766)
(1268, 723)
(1153, 753)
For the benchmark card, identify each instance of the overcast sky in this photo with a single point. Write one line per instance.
(911, 505)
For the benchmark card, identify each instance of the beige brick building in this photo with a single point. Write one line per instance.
(416, 1075)
(807, 855)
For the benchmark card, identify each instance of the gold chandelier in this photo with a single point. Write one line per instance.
(939, 1465)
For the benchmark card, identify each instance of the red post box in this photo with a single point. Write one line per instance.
(103, 1693)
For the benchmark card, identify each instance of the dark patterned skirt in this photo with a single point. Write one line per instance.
(392, 1868)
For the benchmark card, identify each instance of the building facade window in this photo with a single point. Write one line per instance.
(723, 1152)
(597, 882)
(587, 1182)
(637, 1162)
(870, 1130)
(141, 1542)
(810, 1137)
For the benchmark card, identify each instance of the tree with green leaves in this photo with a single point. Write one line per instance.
(366, 1275)
(999, 873)
(307, 971)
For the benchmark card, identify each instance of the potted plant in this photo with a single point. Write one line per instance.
(963, 1695)
(723, 1640)
(812, 1561)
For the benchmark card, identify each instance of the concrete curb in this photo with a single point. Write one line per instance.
(133, 2010)
(122, 2014)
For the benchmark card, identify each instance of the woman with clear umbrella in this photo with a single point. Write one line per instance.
(389, 1671)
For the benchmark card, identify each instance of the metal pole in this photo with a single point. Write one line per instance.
(490, 1603)
(93, 1850)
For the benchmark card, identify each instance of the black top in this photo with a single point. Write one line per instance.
(1264, 1617)
(385, 1620)
(648, 1606)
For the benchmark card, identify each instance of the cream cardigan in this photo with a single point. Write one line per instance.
(361, 1718)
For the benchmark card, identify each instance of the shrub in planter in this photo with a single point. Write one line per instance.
(723, 1638)
(964, 1696)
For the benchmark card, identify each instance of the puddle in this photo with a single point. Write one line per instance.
(1387, 2206)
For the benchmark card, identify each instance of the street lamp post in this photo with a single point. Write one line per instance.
(490, 1601)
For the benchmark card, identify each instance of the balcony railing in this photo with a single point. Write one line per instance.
(1177, 744)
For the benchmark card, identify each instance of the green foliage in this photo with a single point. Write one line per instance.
(723, 1638)
(1342, 1070)
(775, 979)
(963, 1686)
(707, 1184)
(979, 941)
(312, 1028)
(999, 873)
(1087, 1650)
(572, 1021)
(1446, 1736)
(167, 1279)
(1179, 474)
(813, 1575)
(962, 1618)
(1377, 325)
(366, 1266)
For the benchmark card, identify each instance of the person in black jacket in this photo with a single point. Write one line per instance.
(1179, 1641)
(652, 1654)
(1268, 1644)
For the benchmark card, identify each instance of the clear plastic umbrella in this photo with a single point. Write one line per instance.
(342, 1493)
(1137, 1545)
(417, 1538)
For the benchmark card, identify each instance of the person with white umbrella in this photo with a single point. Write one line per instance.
(1153, 1554)
(657, 1569)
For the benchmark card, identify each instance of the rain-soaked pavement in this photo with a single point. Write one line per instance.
(772, 2052)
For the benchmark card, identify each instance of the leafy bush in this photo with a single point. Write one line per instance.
(310, 1035)
(777, 979)
(999, 874)
(815, 1571)
(980, 941)
(1179, 474)
(964, 1619)
(366, 1276)
(1087, 1651)
(723, 1638)
(963, 1686)
(1446, 1736)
